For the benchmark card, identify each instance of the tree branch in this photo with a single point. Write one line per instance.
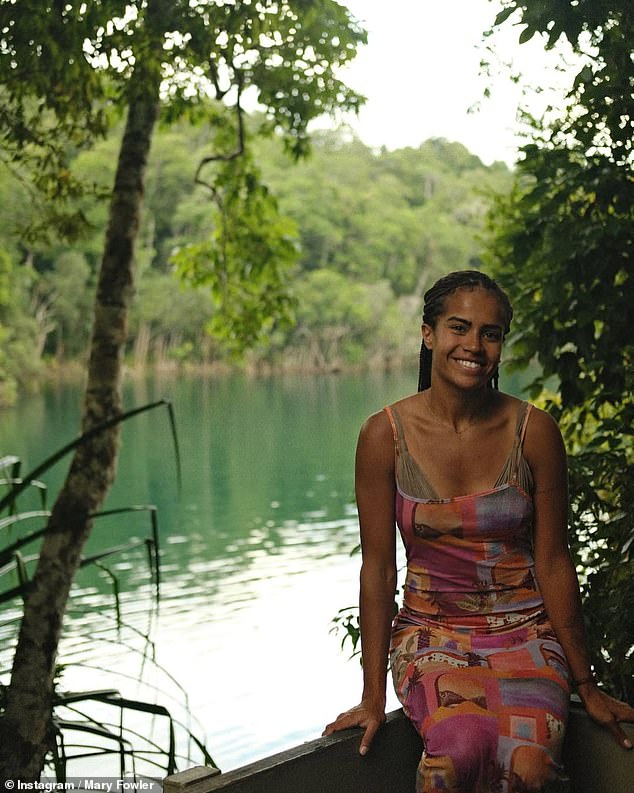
(238, 151)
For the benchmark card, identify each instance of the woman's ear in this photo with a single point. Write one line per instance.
(427, 333)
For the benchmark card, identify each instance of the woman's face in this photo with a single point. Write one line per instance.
(466, 340)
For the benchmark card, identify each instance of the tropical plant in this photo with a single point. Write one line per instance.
(20, 336)
(562, 243)
(66, 68)
(95, 723)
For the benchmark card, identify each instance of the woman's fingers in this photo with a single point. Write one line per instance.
(343, 722)
(608, 712)
(622, 712)
(358, 717)
(368, 736)
(613, 726)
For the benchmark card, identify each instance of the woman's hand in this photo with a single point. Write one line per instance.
(366, 715)
(607, 711)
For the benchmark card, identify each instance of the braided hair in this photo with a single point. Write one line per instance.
(435, 298)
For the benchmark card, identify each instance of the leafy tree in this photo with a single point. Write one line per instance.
(167, 321)
(374, 216)
(563, 245)
(66, 67)
(251, 246)
(18, 331)
(67, 293)
(335, 316)
(399, 217)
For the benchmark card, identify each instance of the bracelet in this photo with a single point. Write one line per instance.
(583, 681)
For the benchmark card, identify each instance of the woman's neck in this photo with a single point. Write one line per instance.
(458, 410)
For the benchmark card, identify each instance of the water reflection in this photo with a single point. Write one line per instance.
(255, 552)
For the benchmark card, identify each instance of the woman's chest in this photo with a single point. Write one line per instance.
(454, 467)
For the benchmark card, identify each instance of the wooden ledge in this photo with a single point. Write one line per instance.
(593, 760)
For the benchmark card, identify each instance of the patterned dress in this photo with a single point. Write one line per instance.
(475, 662)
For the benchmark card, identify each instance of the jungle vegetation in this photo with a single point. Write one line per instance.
(69, 71)
(363, 233)
(562, 242)
(314, 265)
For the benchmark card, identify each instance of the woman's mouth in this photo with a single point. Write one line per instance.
(467, 364)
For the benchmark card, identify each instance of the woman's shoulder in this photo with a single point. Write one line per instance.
(380, 429)
(541, 423)
(543, 443)
(376, 443)
(377, 426)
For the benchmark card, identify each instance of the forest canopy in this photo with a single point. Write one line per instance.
(367, 231)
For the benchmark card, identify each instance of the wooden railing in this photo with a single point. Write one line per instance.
(594, 762)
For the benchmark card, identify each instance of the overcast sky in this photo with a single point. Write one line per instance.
(420, 73)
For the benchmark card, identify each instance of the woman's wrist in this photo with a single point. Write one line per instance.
(374, 698)
(585, 686)
(584, 681)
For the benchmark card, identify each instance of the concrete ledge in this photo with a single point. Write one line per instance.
(593, 759)
(595, 763)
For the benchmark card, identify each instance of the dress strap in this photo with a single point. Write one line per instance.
(517, 470)
(409, 477)
(395, 432)
(523, 422)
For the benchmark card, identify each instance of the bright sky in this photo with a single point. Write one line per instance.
(421, 74)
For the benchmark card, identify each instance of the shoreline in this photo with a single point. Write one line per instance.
(75, 371)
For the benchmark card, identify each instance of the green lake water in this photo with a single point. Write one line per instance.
(255, 554)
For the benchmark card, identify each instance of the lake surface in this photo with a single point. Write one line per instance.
(255, 555)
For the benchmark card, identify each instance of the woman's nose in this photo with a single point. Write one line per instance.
(472, 341)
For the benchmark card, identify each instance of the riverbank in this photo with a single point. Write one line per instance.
(74, 372)
(255, 554)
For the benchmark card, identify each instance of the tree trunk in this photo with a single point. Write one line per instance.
(25, 728)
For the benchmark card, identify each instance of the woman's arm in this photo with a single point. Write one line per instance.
(375, 493)
(556, 573)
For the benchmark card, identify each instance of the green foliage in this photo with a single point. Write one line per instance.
(346, 622)
(339, 320)
(167, 319)
(562, 244)
(380, 226)
(602, 485)
(386, 222)
(53, 102)
(601, 91)
(80, 727)
(67, 295)
(399, 216)
(245, 261)
(18, 331)
(70, 72)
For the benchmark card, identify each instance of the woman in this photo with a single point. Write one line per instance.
(490, 636)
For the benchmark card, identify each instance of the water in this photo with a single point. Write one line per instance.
(255, 556)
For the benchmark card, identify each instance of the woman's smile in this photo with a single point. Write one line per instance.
(467, 363)
(467, 337)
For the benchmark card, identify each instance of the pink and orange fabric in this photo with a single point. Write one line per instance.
(475, 662)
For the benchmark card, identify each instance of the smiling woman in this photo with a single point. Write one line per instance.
(490, 637)
(500, 313)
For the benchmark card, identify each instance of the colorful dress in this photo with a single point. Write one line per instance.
(475, 662)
